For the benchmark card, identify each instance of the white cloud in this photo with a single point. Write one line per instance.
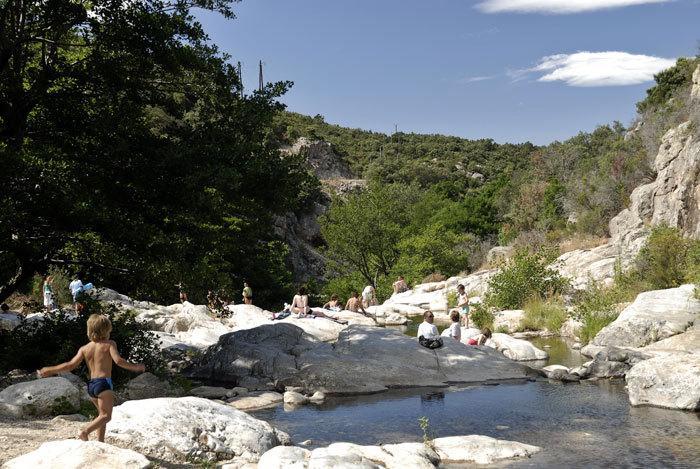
(466, 80)
(556, 6)
(597, 68)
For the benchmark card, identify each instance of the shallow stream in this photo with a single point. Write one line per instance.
(590, 424)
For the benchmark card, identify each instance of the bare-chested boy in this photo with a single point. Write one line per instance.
(98, 355)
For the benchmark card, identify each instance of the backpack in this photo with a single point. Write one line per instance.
(430, 343)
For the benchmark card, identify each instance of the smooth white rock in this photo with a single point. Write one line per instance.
(653, 316)
(671, 381)
(295, 398)
(517, 349)
(176, 428)
(256, 400)
(285, 457)
(77, 454)
(480, 449)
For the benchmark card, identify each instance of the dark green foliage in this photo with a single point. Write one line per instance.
(526, 275)
(56, 339)
(668, 82)
(128, 151)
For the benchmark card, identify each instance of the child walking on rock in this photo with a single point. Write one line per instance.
(98, 354)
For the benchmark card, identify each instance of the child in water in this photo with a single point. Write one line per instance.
(98, 354)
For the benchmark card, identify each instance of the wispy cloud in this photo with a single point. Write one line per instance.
(610, 68)
(556, 6)
(466, 80)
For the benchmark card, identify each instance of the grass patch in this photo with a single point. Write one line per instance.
(544, 314)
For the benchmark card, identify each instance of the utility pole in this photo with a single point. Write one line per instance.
(260, 76)
(240, 77)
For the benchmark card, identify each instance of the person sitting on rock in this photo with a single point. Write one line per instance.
(98, 354)
(300, 303)
(481, 338)
(455, 331)
(427, 329)
(400, 285)
(354, 304)
(462, 305)
(334, 304)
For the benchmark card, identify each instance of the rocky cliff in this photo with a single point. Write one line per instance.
(301, 229)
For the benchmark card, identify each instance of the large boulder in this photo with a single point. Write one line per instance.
(671, 381)
(517, 349)
(40, 397)
(653, 316)
(175, 429)
(365, 359)
(149, 386)
(688, 341)
(77, 454)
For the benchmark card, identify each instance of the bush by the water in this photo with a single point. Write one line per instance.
(544, 314)
(57, 338)
(481, 316)
(526, 275)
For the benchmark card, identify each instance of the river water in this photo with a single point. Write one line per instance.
(588, 424)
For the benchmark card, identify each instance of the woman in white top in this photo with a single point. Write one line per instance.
(427, 329)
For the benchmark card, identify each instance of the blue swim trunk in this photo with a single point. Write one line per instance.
(99, 385)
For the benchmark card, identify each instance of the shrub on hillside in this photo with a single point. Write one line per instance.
(668, 259)
(57, 338)
(527, 274)
(541, 314)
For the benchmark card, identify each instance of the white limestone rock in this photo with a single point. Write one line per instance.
(256, 400)
(517, 349)
(571, 328)
(653, 316)
(285, 457)
(671, 381)
(295, 398)
(480, 449)
(77, 454)
(508, 319)
(174, 429)
(40, 397)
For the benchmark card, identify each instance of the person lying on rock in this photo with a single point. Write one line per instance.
(98, 354)
(300, 306)
(354, 304)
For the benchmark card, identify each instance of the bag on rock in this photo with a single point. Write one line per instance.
(430, 343)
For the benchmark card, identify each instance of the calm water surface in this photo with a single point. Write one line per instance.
(590, 424)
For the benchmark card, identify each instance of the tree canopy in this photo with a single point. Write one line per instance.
(128, 150)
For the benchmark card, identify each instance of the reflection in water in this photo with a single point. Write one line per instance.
(578, 425)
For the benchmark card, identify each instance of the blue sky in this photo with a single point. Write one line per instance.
(475, 69)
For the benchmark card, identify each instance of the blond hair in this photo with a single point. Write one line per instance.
(98, 327)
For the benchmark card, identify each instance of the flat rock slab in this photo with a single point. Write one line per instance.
(175, 429)
(671, 381)
(480, 449)
(40, 397)
(76, 454)
(364, 360)
(653, 316)
(517, 349)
